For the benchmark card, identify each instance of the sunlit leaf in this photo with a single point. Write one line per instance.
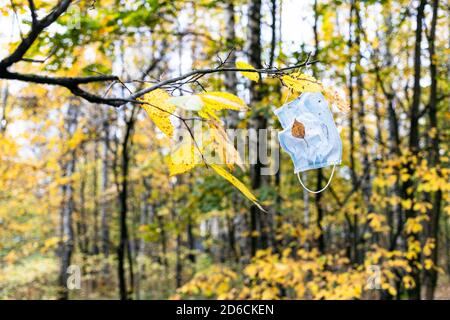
(301, 82)
(254, 76)
(222, 100)
(191, 103)
(237, 183)
(183, 158)
(333, 97)
(159, 110)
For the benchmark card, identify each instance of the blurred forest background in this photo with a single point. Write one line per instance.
(87, 184)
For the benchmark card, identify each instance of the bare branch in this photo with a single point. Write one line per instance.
(73, 83)
(35, 31)
(61, 81)
(52, 52)
(270, 71)
(33, 11)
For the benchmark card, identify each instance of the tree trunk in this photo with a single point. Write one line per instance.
(104, 186)
(414, 293)
(124, 244)
(95, 238)
(66, 232)
(366, 183)
(258, 122)
(434, 214)
(318, 196)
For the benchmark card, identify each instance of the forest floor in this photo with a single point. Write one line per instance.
(35, 279)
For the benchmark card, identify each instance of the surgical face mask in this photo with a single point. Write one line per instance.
(310, 135)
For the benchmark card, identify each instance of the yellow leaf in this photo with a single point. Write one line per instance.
(191, 103)
(335, 98)
(207, 113)
(428, 247)
(406, 204)
(222, 100)
(328, 25)
(159, 110)
(238, 184)
(254, 76)
(428, 264)
(182, 159)
(76, 139)
(413, 225)
(409, 282)
(224, 147)
(51, 243)
(301, 82)
(392, 291)
(251, 270)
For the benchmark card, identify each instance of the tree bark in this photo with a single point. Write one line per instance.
(414, 293)
(258, 122)
(104, 187)
(434, 161)
(124, 244)
(66, 245)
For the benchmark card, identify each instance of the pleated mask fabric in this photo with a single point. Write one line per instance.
(309, 134)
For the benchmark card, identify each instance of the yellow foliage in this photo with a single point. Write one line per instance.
(222, 145)
(238, 184)
(254, 76)
(50, 243)
(183, 158)
(301, 82)
(377, 222)
(333, 97)
(428, 264)
(214, 281)
(408, 282)
(222, 100)
(159, 110)
(328, 25)
(76, 139)
(414, 225)
(429, 246)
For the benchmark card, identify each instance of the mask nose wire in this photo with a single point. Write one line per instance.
(319, 191)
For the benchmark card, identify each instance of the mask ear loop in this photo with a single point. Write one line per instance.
(298, 174)
(319, 191)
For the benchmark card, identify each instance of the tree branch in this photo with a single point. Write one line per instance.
(36, 28)
(269, 71)
(33, 11)
(73, 83)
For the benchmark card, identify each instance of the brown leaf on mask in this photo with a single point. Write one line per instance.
(298, 129)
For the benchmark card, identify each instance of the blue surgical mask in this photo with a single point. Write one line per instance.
(315, 142)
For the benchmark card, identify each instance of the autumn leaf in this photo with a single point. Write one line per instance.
(224, 147)
(207, 113)
(254, 76)
(333, 97)
(183, 158)
(222, 100)
(191, 103)
(301, 82)
(159, 109)
(216, 101)
(238, 184)
(298, 129)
